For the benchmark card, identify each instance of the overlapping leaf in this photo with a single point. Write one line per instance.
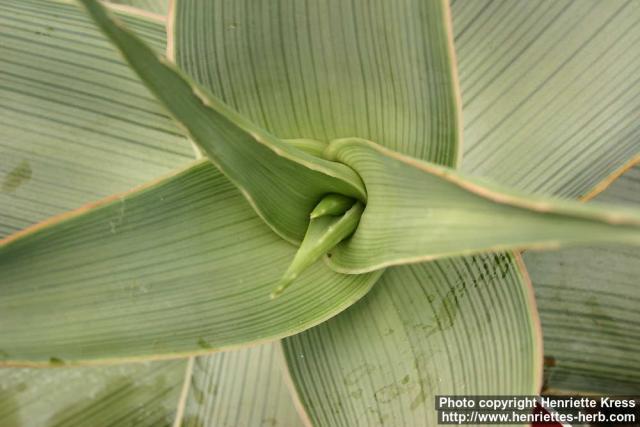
(550, 98)
(324, 70)
(241, 388)
(588, 301)
(383, 367)
(269, 73)
(180, 266)
(418, 211)
(75, 123)
(461, 326)
(144, 394)
(550, 90)
(280, 181)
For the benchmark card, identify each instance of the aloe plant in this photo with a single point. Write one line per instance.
(296, 171)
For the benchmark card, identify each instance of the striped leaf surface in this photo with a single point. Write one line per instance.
(588, 300)
(456, 326)
(418, 211)
(144, 395)
(374, 69)
(270, 173)
(242, 388)
(550, 90)
(76, 124)
(178, 267)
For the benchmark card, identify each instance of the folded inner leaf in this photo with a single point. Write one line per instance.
(323, 234)
(332, 204)
(181, 266)
(281, 182)
(418, 211)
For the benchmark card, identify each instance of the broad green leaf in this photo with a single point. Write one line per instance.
(242, 388)
(457, 326)
(418, 211)
(143, 394)
(181, 266)
(160, 7)
(550, 100)
(269, 172)
(329, 69)
(76, 124)
(588, 300)
(550, 90)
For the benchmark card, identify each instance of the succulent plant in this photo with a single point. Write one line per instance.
(266, 214)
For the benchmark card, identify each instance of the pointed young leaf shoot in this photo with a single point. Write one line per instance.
(332, 204)
(269, 172)
(323, 234)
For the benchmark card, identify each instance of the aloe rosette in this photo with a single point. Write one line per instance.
(312, 189)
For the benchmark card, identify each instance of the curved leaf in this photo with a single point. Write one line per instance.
(76, 124)
(550, 99)
(461, 326)
(550, 90)
(143, 394)
(418, 211)
(241, 388)
(270, 173)
(588, 300)
(324, 70)
(181, 266)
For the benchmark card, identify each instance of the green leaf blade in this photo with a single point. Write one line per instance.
(418, 211)
(550, 91)
(271, 173)
(327, 70)
(74, 114)
(588, 301)
(142, 394)
(459, 326)
(240, 388)
(182, 266)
